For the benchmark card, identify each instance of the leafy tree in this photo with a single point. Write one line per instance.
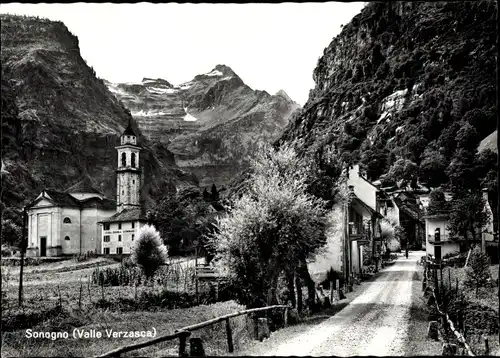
(438, 203)
(11, 233)
(375, 161)
(214, 193)
(404, 170)
(478, 273)
(432, 168)
(467, 215)
(148, 251)
(461, 169)
(183, 219)
(271, 229)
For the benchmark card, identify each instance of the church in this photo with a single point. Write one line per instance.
(82, 219)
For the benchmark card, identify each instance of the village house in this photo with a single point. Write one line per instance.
(353, 231)
(82, 219)
(439, 242)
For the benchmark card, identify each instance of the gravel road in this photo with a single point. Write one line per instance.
(374, 323)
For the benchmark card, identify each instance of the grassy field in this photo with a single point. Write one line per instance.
(164, 322)
(487, 296)
(52, 292)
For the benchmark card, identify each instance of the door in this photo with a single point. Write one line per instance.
(437, 253)
(43, 246)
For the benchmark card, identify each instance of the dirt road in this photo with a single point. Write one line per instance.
(374, 323)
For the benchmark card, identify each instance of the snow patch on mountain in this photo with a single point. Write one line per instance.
(214, 73)
(143, 113)
(188, 117)
(159, 90)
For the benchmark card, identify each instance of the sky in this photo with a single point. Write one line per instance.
(270, 46)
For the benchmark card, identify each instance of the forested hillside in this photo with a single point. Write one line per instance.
(408, 89)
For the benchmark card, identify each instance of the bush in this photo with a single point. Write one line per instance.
(148, 251)
(478, 273)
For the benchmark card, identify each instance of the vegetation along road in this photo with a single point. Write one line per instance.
(374, 323)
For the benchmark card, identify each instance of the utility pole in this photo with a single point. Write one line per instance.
(24, 242)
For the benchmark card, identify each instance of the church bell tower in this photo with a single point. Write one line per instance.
(128, 173)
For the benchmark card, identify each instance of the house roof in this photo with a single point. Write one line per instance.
(129, 214)
(85, 185)
(365, 205)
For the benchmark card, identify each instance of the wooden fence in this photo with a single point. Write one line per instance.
(446, 319)
(183, 333)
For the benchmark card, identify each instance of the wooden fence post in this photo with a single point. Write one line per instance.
(285, 319)
(486, 345)
(255, 319)
(229, 336)
(183, 335)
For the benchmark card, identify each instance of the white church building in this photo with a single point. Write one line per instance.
(82, 219)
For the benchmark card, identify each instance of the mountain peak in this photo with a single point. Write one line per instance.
(226, 70)
(146, 80)
(283, 94)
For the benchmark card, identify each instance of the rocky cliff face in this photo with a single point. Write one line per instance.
(59, 121)
(402, 81)
(211, 123)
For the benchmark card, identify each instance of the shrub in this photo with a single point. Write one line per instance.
(148, 251)
(478, 272)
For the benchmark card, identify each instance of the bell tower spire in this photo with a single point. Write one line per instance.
(128, 173)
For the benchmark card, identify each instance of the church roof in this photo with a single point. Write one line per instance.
(129, 130)
(84, 186)
(129, 214)
(95, 202)
(62, 199)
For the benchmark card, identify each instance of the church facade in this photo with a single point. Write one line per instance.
(82, 219)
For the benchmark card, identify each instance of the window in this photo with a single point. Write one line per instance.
(67, 220)
(133, 160)
(106, 251)
(119, 250)
(124, 160)
(66, 238)
(123, 192)
(133, 181)
(119, 238)
(133, 236)
(119, 226)
(133, 225)
(106, 226)
(106, 238)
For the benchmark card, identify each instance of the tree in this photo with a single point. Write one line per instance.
(11, 233)
(182, 219)
(467, 216)
(148, 251)
(432, 168)
(478, 273)
(404, 170)
(214, 193)
(271, 230)
(375, 160)
(437, 203)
